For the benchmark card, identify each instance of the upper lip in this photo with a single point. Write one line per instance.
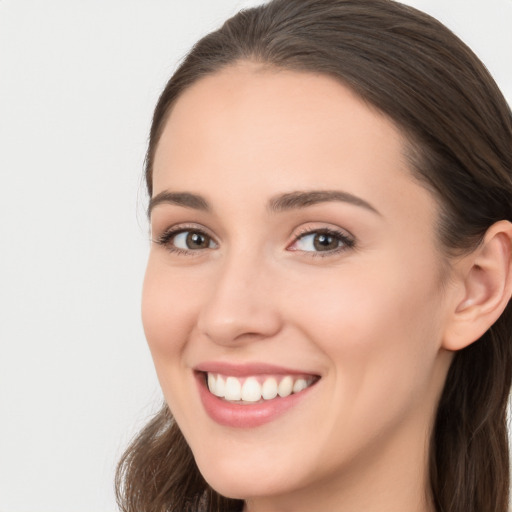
(248, 369)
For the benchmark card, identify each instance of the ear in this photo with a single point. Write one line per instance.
(484, 288)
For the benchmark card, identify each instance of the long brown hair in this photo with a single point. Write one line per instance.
(459, 131)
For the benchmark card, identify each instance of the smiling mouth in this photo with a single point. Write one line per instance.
(256, 389)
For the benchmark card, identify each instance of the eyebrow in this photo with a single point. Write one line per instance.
(294, 200)
(185, 199)
(280, 203)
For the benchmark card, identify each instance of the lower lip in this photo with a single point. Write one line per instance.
(245, 416)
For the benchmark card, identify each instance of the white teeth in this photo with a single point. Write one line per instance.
(216, 385)
(285, 387)
(233, 389)
(269, 389)
(212, 384)
(299, 385)
(250, 390)
(220, 386)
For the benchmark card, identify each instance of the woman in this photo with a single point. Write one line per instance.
(327, 293)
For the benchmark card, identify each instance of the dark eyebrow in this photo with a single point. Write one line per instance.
(300, 199)
(185, 199)
(283, 202)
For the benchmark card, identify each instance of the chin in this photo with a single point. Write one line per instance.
(245, 479)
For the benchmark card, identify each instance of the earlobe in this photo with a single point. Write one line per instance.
(486, 281)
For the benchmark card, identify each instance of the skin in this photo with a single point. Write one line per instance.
(369, 319)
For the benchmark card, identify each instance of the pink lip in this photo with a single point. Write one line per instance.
(245, 370)
(245, 416)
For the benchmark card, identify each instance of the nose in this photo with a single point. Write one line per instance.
(241, 305)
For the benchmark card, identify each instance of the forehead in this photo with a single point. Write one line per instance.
(251, 99)
(268, 131)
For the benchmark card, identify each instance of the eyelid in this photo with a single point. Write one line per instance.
(347, 240)
(169, 233)
(183, 226)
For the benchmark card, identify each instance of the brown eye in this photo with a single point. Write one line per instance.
(197, 240)
(325, 242)
(188, 241)
(192, 240)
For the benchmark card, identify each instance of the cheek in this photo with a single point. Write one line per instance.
(169, 303)
(381, 330)
(367, 304)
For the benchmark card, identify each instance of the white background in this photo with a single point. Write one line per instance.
(78, 81)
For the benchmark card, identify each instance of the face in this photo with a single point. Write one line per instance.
(293, 301)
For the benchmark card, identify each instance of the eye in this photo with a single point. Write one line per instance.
(186, 240)
(192, 240)
(327, 241)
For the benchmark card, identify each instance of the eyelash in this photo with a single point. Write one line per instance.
(165, 238)
(347, 242)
